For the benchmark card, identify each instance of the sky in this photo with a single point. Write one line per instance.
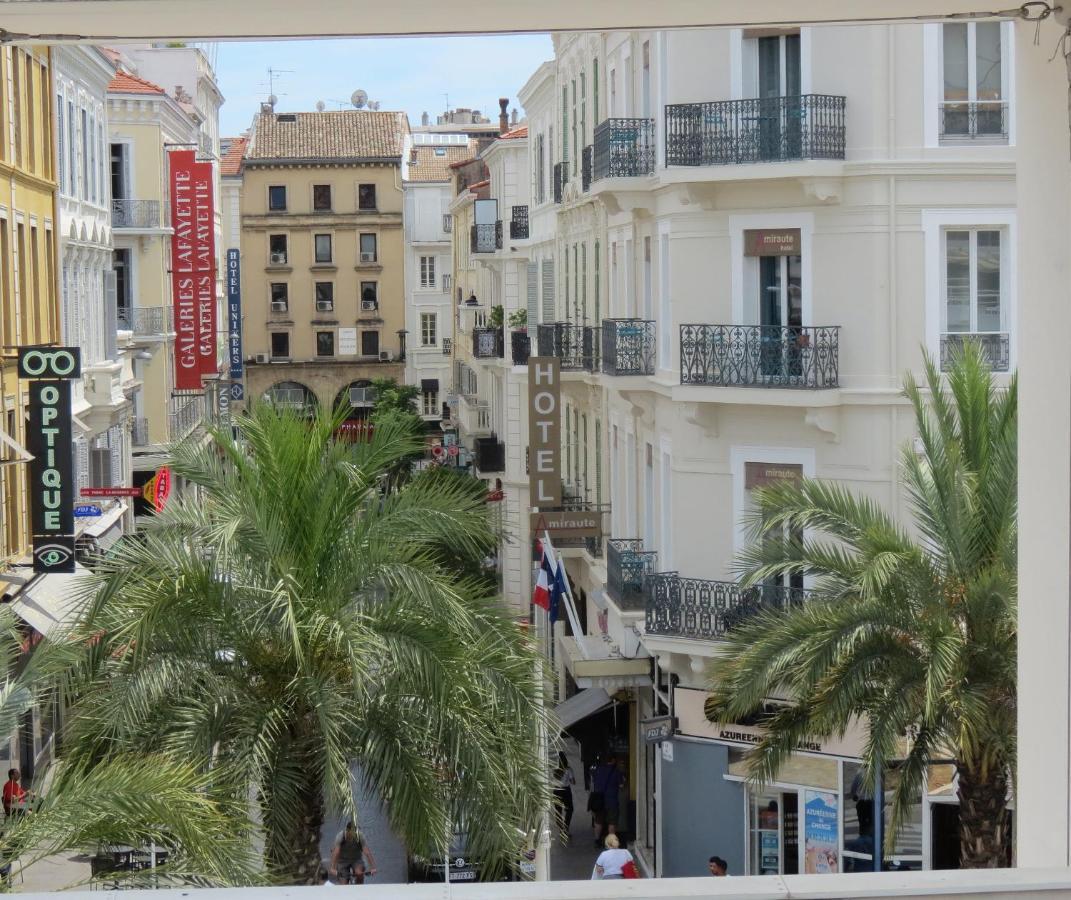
(410, 74)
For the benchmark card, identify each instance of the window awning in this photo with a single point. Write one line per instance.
(49, 603)
(107, 522)
(600, 664)
(429, 385)
(581, 705)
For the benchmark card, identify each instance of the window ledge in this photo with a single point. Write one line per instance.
(323, 267)
(368, 267)
(278, 268)
(324, 321)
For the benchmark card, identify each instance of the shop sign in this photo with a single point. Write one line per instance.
(158, 488)
(111, 492)
(667, 751)
(51, 476)
(567, 524)
(760, 474)
(347, 342)
(658, 729)
(821, 833)
(87, 511)
(544, 427)
(772, 242)
(50, 362)
(223, 404)
(193, 268)
(234, 311)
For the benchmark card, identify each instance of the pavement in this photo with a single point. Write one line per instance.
(53, 873)
(572, 857)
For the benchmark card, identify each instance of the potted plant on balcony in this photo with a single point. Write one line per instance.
(496, 317)
(518, 321)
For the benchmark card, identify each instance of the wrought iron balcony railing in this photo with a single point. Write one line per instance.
(996, 347)
(139, 214)
(561, 176)
(980, 120)
(186, 417)
(628, 347)
(586, 161)
(520, 347)
(624, 148)
(487, 343)
(144, 319)
(486, 238)
(760, 355)
(490, 454)
(576, 346)
(518, 224)
(708, 610)
(770, 129)
(627, 567)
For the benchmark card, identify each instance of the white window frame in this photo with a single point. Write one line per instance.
(429, 403)
(425, 319)
(743, 60)
(316, 261)
(428, 278)
(935, 222)
(737, 226)
(972, 264)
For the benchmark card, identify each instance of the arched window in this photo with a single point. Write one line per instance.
(291, 395)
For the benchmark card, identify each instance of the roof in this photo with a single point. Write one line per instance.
(125, 83)
(429, 162)
(521, 131)
(479, 184)
(233, 149)
(346, 134)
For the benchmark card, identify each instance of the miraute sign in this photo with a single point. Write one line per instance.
(544, 432)
(51, 469)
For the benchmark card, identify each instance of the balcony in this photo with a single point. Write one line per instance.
(968, 121)
(518, 224)
(144, 319)
(186, 417)
(707, 610)
(474, 416)
(520, 347)
(487, 343)
(489, 455)
(561, 176)
(771, 129)
(760, 356)
(628, 347)
(996, 347)
(486, 238)
(576, 346)
(624, 148)
(585, 167)
(139, 215)
(627, 566)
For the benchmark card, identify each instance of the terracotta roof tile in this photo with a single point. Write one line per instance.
(125, 83)
(521, 131)
(479, 184)
(431, 162)
(232, 150)
(343, 134)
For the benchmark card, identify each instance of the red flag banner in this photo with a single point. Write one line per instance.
(205, 223)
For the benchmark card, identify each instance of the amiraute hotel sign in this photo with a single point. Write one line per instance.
(544, 432)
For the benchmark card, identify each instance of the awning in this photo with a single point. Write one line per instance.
(49, 603)
(105, 522)
(600, 664)
(429, 385)
(581, 705)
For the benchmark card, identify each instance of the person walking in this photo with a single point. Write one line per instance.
(347, 857)
(563, 799)
(719, 868)
(13, 793)
(603, 800)
(612, 861)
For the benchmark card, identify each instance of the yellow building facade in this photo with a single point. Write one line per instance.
(29, 305)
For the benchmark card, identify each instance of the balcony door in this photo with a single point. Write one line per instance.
(776, 80)
(120, 171)
(774, 266)
(778, 590)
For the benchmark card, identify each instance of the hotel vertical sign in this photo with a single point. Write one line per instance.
(544, 432)
(193, 268)
(52, 489)
(234, 313)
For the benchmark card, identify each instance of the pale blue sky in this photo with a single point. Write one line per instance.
(410, 74)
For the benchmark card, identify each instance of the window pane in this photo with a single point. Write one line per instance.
(370, 343)
(323, 248)
(321, 196)
(987, 50)
(280, 343)
(989, 281)
(369, 293)
(368, 248)
(366, 196)
(325, 343)
(325, 292)
(277, 197)
(277, 245)
(279, 292)
(957, 281)
(955, 56)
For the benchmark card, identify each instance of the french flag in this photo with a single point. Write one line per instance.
(550, 584)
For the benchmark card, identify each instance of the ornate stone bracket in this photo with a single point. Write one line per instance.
(703, 416)
(826, 419)
(824, 190)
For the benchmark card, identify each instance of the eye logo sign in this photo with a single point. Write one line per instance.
(52, 556)
(50, 362)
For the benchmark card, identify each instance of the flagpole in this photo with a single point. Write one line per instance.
(570, 605)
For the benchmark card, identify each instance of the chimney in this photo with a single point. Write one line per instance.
(513, 118)
(503, 116)
(424, 120)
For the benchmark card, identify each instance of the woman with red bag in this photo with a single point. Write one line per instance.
(614, 861)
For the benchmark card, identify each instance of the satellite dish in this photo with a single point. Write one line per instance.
(320, 106)
(272, 100)
(358, 98)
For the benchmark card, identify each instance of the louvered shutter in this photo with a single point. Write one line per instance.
(548, 290)
(533, 294)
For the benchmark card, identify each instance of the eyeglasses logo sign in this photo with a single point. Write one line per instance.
(50, 362)
(53, 557)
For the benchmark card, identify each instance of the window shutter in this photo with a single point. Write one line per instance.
(115, 445)
(548, 290)
(533, 293)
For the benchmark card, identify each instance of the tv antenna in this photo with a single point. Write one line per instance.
(359, 98)
(272, 75)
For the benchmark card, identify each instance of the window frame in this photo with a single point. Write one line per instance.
(330, 300)
(428, 280)
(330, 198)
(286, 249)
(278, 187)
(374, 285)
(375, 246)
(272, 336)
(972, 277)
(316, 258)
(362, 188)
(320, 334)
(427, 318)
(273, 299)
(429, 403)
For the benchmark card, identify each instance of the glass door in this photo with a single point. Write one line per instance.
(779, 114)
(780, 317)
(765, 834)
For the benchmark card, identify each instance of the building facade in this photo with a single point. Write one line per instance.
(323, 256)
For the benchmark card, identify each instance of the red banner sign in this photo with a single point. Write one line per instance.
(111, 492)
(158, 488)
(193, 268)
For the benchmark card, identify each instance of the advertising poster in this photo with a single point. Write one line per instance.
(821, 833)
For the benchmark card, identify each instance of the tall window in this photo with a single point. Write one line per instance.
(598, 310)
(277, 197)
(323, 248)
(369, 295)
(973, 296)
(321, 197)
(280, 344)
(541, 169)
(61, 146)
(368, 248)
(325, 343)
(85, 155)
(576, 149)
(280, 296)
(278, 253)
(565, 130)
(430, 403)
(325, 296)
(595, 91)
(366, 196)
(370, 343)
(429, 329)
(427, 271)
(973, 81)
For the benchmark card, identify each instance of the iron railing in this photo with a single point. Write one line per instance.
(186, 417)
(980, 120)
(487, 343)
(520, 347)
(586, 167)
(760, 355)
(139, 432)
(709, 610)
(770, 129)
(628, 347)
(490, 454)
(576, 346)
(627, 567)
(518, 224)
(486, 238)
(624, 148)
(139, 214)
(561, 176)
(996, 348)
(144, 319)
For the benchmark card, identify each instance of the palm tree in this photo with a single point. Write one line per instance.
(292, 617)
(916, 634)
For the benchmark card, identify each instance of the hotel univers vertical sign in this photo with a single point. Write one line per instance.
(193, 268)
(50, 371)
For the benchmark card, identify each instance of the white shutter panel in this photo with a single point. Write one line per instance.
(533, 294)
(548, 290)
(115, 444)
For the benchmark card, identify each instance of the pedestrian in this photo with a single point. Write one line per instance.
(13, 792)
(603, 796)
(862, 794)
(563, 799)
(719, 868)
(612, 861)
(347, 856)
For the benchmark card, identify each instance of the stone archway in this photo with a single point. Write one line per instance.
(292, 395)
(357, 398)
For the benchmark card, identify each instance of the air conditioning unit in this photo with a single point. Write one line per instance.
(361, 396)
(384, 355)
(369, 305)
(278, 259)
(324, 306)
(262, 358)
(367, 257)
(278, 306)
